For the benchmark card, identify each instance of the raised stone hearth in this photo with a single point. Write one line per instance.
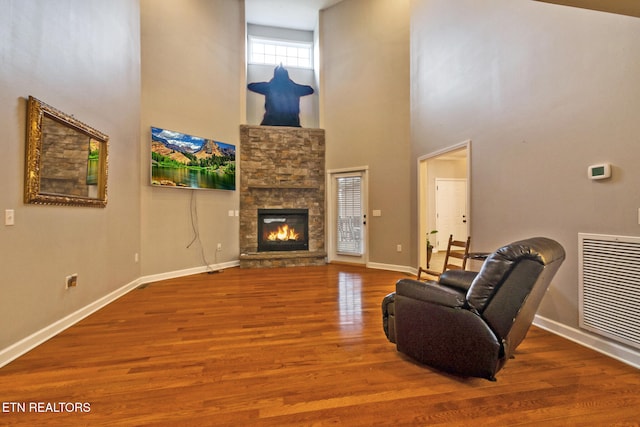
(281, 168)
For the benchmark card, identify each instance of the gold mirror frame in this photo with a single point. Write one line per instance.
(66, 160)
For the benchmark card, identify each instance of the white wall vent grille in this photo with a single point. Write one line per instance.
(609, 282)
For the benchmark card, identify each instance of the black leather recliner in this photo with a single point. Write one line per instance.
(469, 323)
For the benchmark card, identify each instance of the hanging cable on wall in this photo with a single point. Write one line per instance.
(195, 227)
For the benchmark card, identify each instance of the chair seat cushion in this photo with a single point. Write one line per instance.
(431, 292)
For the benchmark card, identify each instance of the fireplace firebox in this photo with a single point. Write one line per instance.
(283, 230)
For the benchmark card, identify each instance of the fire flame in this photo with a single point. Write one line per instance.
(283, 233)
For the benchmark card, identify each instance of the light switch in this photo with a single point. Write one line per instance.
(9, 217)
(377, 212)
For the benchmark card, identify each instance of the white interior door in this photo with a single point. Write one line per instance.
(347, 217)
(451, 210)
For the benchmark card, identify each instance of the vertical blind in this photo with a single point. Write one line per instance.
(350, 216)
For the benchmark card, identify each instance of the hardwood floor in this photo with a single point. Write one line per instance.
(291, 347)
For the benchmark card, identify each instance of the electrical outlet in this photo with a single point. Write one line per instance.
(219, 246)
(72, 281)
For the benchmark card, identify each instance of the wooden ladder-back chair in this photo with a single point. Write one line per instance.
(458, 249)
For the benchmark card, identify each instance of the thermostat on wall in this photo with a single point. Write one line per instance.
(600, 171)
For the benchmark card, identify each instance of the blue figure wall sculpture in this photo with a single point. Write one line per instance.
(282, 98)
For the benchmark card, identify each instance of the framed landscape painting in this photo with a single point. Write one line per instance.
(179, 160)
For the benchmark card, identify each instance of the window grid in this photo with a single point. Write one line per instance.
(350, 241)
(275, 52)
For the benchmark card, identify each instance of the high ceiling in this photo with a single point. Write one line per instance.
(621, 7)
(303, 14)
(297, 14)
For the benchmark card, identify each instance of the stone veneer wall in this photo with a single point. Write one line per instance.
(281, 168)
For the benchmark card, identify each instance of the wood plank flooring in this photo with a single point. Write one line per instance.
(291, 347)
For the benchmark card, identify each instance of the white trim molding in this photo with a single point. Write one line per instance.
(392, 267)
(609, 348)
(9, 354)
(188, 272)
(27, 344)
(602, 345)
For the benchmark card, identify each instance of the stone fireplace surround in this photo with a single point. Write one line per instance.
(281, 168)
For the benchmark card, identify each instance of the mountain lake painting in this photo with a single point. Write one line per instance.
(184, 161)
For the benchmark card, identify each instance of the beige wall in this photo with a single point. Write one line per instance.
(364, 79)
(82, 57)
(542, 91)
(193, 82)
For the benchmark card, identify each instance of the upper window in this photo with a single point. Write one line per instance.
(276, 52)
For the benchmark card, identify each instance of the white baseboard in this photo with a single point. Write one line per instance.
(392, 267)
(612, 349)
(187, 272)
(602, 345)
(23, 346)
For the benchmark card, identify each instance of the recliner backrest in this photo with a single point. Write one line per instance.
(508, 289)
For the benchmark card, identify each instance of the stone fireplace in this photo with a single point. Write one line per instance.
(282, 181)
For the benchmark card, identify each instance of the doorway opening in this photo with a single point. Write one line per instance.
(444, 195)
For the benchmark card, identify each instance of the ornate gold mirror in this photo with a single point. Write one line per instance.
(66, 160)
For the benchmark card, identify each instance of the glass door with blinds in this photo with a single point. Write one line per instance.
(347, 217)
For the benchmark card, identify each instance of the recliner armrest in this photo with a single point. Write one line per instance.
(459, 279)
(431, 292)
